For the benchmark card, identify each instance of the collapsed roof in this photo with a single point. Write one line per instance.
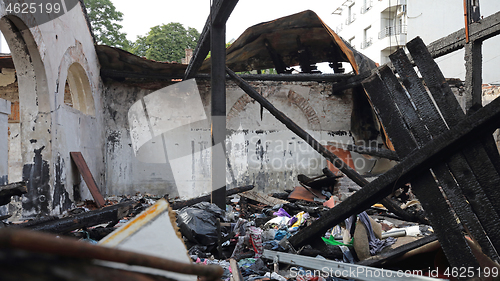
(299, 39)
(294, 39)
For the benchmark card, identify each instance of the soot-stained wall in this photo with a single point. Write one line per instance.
(259, 149)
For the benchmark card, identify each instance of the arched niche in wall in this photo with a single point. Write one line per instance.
(77, 89)
(80, 93)
(34, 108)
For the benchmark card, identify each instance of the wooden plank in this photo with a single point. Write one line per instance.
(88, 178)
(475, 125)
(476, 159)
(87, 219)
(390, 116)
(476, 156)
(206, 198)
(470, 186)
(405, 106)
(424, 186)
(267, 200)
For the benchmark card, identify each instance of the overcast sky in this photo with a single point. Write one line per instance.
(140, 16)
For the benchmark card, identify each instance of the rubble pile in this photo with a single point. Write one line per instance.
(252, 225)
(244, 238)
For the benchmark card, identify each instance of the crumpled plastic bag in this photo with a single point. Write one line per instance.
(198, 223)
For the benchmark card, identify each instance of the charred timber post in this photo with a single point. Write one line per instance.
(220, 12)
(218, 103)
(473, 59)
(46, 243)
(339, 164)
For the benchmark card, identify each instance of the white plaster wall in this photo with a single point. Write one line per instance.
(259, 151)
(4, 141)
(47, 125)
(73, 130)
(15, 153)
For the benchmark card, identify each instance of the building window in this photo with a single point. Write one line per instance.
(351, 42)
(393, 28)
(351, 16)
(367, 5)
(367, 38)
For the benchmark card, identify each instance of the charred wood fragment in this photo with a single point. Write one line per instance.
(87, 219)
(180, 204)
(9, 190)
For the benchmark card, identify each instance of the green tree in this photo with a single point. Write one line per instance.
(166, 42)
(104, 19)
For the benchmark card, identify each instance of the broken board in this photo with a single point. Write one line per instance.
(153, 232)
(87, 177)
(266, 200)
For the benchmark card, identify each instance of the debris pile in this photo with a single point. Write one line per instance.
(246, 238)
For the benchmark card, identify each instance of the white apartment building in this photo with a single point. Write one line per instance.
(378, 27)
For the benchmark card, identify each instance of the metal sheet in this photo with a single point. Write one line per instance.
(344, 270)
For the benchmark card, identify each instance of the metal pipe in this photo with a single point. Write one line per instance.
(394, 233)
(46, 243)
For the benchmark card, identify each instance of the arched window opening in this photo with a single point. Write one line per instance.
(79, 90)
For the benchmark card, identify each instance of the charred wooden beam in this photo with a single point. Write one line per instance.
(46, 243)
(87, 219)
(339, 164)
(84, 170)
(473, 77)
(478, 31)
(181, 204)
(477, 124)
(9, 190)
(220, 12)
(235, 270)
(350, 83)
(299, 77)
(473, 59)
(44, 267)
(116, 74)
(279, 65)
